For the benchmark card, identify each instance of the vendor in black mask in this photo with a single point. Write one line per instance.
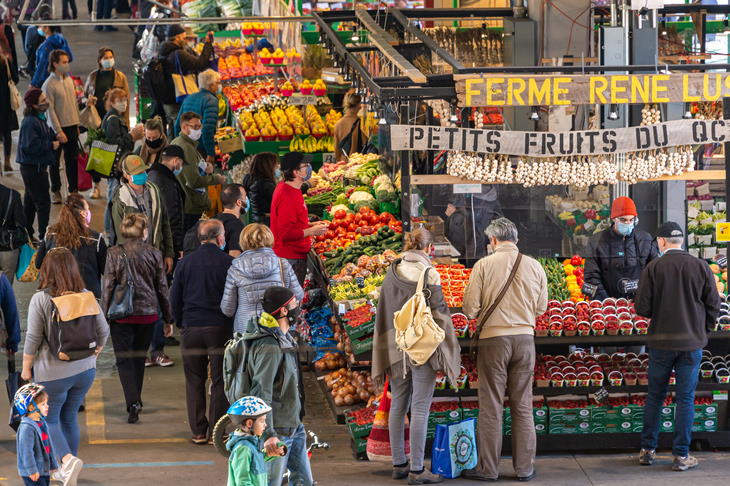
(276, 379)
(154, 141)
(616, 256)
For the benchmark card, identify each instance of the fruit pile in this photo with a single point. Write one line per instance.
(329, 362)
(242, 65)
(574, 278)
(275, 122)
(363, 416)
(352, 290)
(580, 369)
(358, 316)
(453, 282)
(611, 316)
(352, 246)
(350, 387)
(244, 95)
(555, 279)
(254, 28)
(365, 266)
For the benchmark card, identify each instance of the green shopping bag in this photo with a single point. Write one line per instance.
(102, 158)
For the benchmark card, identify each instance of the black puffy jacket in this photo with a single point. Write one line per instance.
(260, 192)
(611, 257)
(173, 198)
(175, 59)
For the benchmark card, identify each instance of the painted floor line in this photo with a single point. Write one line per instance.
(148, 464)
(171, 440)
(95, 420)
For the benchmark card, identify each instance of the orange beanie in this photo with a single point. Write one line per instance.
(623, 206)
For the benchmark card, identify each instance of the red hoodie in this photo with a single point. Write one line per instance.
(289, 219)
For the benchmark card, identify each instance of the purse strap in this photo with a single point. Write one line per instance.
(488, 313)
(126, 263)
(7, 211)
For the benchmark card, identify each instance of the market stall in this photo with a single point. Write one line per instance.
(448, 142)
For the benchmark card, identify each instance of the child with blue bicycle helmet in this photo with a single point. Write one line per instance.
(247, 464)
(36, 458)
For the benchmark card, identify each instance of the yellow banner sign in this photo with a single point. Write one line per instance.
(515, 90)
(722, 232)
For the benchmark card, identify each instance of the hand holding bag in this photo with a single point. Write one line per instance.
(122, 304)
(90, 118)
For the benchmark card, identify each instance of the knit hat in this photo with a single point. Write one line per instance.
(31, 96)
(623, 206)
(133, 165)
(275, 298)
(175, 30)
(292, 160)
(670, 229)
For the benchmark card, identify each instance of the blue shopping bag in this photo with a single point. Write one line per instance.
(26, 272)
(454, 448)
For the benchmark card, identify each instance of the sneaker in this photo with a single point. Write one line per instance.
(163, 360)
(646, 457)
(683, 463)
(424, 477)
(148, 363)
(70, 471)
(96, 193)
(400, 472)
(56, 198)
(134, 410)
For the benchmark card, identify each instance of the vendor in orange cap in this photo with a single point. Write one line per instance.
(616, 256)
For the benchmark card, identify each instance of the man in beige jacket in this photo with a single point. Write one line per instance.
(506, 354)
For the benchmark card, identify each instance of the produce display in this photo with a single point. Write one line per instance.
(349, 387)
(611, 317)
(346, 228)
(583, 370)
(453, 282)
(352, 290)
(330, 361)
(701, 230)
(385, 238)
(365, 267)
(565, 280)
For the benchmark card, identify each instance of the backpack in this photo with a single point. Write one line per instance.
(72, 332)
(154, 79)
(416, 332)
(236, 377)
(190, 240)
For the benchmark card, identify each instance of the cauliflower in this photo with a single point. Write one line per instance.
(361, 198)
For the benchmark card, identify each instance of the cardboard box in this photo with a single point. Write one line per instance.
(576, 428)
(706, 425)
(666, 426)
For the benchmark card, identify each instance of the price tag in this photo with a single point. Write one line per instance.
(721, 260)
(601, 395)
(300, 99)
(341, 309)
(360, 281)
(328, 158)
(722, 232)
(719, 395)
(692, 212)
(467, 188)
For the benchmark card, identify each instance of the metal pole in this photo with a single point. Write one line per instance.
(405, 176)
(186, 20)
(726, 116)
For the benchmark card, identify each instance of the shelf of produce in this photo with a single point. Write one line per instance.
(582, 390)
(604, 340)
(337, 412)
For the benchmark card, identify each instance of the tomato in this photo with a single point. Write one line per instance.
(351, 236)
(378, 226)
(373, 219)
(364, 210)
(350, 218)
(341, 231)
(385, 217)
(363, 222)
(330, 235)
(351, 227)
(358, 218)
(340, 214)
(332, 226)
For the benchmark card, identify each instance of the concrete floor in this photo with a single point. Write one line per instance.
(157, 450)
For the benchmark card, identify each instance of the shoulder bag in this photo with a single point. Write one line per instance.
(15, 98)
(122, 304)
(11, 236)
(185, 84)
(487, 314)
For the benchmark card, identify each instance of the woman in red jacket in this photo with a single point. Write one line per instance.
(289, 216)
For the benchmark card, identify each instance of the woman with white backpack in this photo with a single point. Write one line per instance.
(414, 339)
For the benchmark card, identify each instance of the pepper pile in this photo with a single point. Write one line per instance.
(573, 269)
(555, 279)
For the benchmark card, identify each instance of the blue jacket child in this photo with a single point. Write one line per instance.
(33, 441)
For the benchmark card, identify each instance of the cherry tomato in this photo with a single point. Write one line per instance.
(351, 227)
(364, 210)
(340, 214)
(358, 218)
(385, 217)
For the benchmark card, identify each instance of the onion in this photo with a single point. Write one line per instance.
(349, 400)
(364, 395)
(339, 401)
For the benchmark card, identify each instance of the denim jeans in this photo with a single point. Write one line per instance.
(686, 365)
(42, 481)
(157, 345)
(65, 396)
(111, 185)
(296, 461)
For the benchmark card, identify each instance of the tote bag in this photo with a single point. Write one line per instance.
(84, 179)
(102, 157)
(185, 84)
(454, 448)
(90, 118)
(378, 445)
(15, 98)
(26, 272)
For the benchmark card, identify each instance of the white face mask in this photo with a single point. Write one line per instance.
(195, 134)
(107, 63)
(120, 106)
(63, 68)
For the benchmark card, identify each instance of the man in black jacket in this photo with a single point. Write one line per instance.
(616, 256)
(163, 174)
(678, 293)
(197, 291)
(178, 58)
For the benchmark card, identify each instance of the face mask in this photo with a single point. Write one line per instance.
(43, 107)
(223, 246)
(220, 89)
(309, 173)
(120, 106)
(88, 217)
(63, 68)
(153, 143)
(177, 172)
(244, 208)
(277, 173)
(107, 63)
(140, 179)
(195, 135)
(624, 229)
(191, 44)
(293, 315)
(41, 33)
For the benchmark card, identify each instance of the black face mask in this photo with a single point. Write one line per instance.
(293, 315)
(154, 143)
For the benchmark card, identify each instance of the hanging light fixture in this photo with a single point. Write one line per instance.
(687, 112)
(355, 37)
(534, 114)
(613, 112)
(453, 118)
(382, 120)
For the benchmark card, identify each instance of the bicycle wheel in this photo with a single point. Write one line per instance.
(223, 428)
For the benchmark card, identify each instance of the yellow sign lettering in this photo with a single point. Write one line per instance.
(598, 85)
(685, 90)
(558, 91)
(618, 87)
(515, 88)
(470, 91)
(706, 87)
(538, 95)
(640, 88)
(493, 91)
(657, 88)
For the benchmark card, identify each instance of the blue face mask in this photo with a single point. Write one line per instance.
(624, 229)
(41, 33)
(309, 173)
(244, 209)
(177, 172)
(140, 179)
(277, 173)
(223, 246)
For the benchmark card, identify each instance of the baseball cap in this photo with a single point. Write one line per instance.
(670, 229)
(292, 160)
(173, 151)
(133, 165)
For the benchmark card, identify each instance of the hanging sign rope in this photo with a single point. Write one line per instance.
(552, 144)
(536, 90)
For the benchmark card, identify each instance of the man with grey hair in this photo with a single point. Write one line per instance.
(678, 293)
(205, 104)
(196, 294)
(505, 293)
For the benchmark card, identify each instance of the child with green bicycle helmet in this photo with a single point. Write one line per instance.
(36, 458)
(247, 464)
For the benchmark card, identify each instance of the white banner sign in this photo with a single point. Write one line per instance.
(557, 144)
